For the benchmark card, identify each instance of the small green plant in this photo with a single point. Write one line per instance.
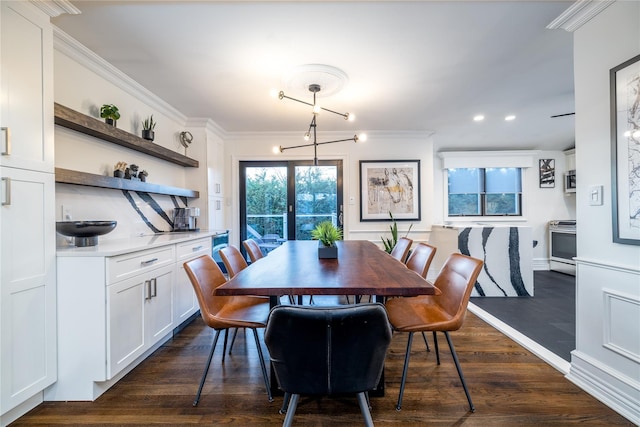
(389, 244)
(148, 123)
(327, 233)
(109, 111)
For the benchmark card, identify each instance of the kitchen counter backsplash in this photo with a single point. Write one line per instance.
(137, 213)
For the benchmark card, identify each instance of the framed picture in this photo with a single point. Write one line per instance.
(625, 151)
(547, 173)
(389, 186)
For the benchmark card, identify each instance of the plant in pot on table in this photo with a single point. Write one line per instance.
(148, 125)
(110, 114)
(327, 234)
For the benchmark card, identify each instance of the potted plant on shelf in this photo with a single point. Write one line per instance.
(147, 128)
(110, 114)
(327, 234)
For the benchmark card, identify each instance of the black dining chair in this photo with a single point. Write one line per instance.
(327, 350)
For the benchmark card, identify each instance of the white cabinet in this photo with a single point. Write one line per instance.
(27, 215)
(114, 309)
(26, 78)
(139, 314)
(185, 302)
(139, 304)
(27, 274)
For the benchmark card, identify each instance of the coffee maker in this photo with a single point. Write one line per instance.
(185, 219)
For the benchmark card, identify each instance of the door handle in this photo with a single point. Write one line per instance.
(147, 290)
(155, 287)
(7, 191)
(7, 141)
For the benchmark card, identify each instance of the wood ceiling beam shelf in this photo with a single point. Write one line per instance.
(67, 176)
(88, 125)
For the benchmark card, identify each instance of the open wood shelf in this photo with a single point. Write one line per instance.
(88, 125)
(67, 176)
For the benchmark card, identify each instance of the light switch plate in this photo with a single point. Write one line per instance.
(595, 195)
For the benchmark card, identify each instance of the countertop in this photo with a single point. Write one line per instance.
(106, 248)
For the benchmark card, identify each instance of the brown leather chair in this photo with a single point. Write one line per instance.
(401, 249)
(420, 259)
(222, 313)
(252, 248)
(233, 260)
(443, 313)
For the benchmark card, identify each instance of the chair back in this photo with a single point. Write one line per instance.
(456, 281)
(401, 249)
(253, 249)
(206, 276)
(233, 260)
(420, 259)
(325, 350)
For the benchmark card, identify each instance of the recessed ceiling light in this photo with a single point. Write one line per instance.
(510, 117)
(478, 118)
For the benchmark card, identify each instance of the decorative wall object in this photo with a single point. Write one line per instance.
(547, 173)
(389, 186)
(625, 151)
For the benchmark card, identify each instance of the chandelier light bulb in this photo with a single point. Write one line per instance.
(350, 117)
(307, 136)
(316, 109)
(273, 93)
(361, 138)
(277, 150)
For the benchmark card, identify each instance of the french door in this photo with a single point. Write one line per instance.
(285, 200)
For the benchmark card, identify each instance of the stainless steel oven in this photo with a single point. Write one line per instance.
(562, 246)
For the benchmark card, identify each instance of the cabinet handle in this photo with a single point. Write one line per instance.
(218, 205)
(218, 188)
(7, 141)
(7, 191)
(197, 248)
(150, 261)
(155, 287)
(147, 290)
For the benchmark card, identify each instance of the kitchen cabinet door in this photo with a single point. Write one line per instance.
(27, 285)
(140, 313)
(26, 80)
(185, 302)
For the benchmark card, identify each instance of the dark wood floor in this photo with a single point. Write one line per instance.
(509, 386)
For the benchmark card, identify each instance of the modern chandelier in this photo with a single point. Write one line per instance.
(311, 132)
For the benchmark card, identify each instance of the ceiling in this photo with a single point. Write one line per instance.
(418, 66)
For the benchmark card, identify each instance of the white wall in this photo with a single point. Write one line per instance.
(379, 146)
(606, 361)
(83, 82)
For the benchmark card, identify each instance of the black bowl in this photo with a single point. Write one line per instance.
(85, 232)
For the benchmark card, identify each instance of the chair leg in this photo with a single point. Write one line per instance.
(435, 344)
(424, 337)
(288, 420)
(404, 371)
(224, 346)
(455, 359)
(262, 365)
(206, 368)
(235, 334)
(364, 408)
(285, 403)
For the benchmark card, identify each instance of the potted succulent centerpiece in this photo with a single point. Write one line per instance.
(148, 125)
(110, 114)
(327, 234)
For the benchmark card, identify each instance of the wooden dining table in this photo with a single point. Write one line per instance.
(294, 268)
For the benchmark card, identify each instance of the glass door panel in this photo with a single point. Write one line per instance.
(316, 196)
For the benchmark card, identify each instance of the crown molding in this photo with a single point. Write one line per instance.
(55, 8)
(579, 14)
(64, 43)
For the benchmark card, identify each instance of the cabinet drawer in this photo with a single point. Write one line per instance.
(193, 248)
(124, 266)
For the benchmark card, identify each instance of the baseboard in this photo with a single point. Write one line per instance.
(606, 385)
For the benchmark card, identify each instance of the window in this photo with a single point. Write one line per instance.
(485, 191)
